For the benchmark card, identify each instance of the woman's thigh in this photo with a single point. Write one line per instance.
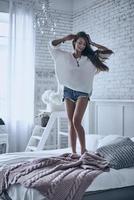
(80, 107)
(70, 107)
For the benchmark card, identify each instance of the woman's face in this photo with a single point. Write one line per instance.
(80, 44)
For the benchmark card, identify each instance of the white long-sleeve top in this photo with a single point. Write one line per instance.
(67, 71)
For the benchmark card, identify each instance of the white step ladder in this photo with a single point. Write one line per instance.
(40, 134)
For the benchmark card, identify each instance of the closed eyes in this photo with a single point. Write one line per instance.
(82, 44)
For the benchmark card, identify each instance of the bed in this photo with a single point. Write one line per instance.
(113, 185)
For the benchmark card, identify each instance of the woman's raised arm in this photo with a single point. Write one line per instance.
(66, 38)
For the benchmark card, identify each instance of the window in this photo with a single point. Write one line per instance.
(4, 29)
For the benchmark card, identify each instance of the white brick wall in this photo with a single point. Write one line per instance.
(110, 23)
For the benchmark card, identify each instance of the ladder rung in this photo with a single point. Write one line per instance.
(40, 127)
(33, 148)
(40, 134)
(36, 137)
(63, 133)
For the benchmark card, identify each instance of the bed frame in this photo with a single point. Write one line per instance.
(126, 193)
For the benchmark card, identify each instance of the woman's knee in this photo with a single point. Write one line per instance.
(76, 123)
(71, 125)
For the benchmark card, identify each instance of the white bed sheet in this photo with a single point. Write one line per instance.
(107, 180)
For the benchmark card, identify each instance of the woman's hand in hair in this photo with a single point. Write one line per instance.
(70, 37)
(102, 48)
(89, 39)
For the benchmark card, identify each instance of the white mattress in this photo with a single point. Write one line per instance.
(107, 180)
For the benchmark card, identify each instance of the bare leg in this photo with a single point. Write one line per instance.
(80, 108)
(70, 107)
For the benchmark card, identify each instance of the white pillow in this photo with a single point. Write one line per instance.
(91, 142)
(108, 140)
(132, 139)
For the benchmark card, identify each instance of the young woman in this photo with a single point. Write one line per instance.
(75, 71)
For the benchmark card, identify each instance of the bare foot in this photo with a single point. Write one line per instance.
(83, 151)
(74, 155)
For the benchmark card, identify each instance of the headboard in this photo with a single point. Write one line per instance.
(107, 117)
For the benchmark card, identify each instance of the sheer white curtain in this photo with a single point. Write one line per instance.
(20, 79)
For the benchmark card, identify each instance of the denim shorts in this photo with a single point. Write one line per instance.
(74, 95)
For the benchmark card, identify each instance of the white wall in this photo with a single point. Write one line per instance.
(78, 4)
(64, 5)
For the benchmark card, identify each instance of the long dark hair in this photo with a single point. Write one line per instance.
(90, 53)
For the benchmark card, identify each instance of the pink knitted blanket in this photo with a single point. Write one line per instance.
(57, 178)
